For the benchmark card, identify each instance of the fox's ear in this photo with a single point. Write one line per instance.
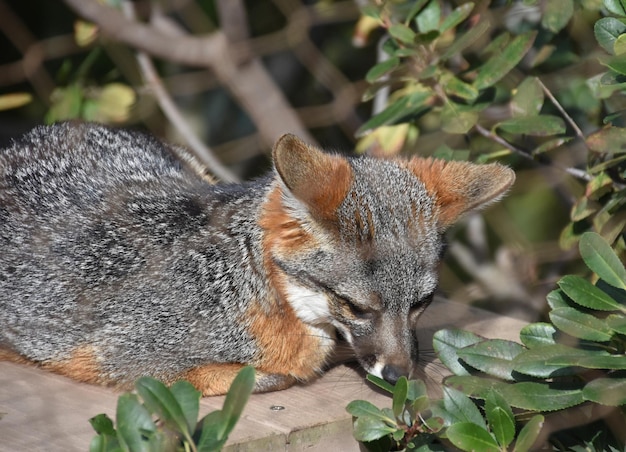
(460, 187)
(321, 181)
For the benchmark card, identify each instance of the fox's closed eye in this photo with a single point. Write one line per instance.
(356, 310)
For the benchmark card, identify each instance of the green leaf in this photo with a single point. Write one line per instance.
(580, 325)
(381, 69)
(540, 396)
(619, 46)
(161, 401)
(457, 16)
(527, 98)
(541, 361)
(537, 334)
(478, 387)
(529, 433)
(500, 418)
(601, 259)
(416, 389)
(612, 362)
(400, 392)
(188, 398)
(540, 125)
(558, 299)
(402, 33)
(133, 422)
(236, 398)
(607, 30)
(359, 408)
(494, 357)
(428, 19)
(210, 439)
(616, 7)
(102, 424)
(501, 64)
(382, 384)
(370, 429)
(557, 14)
(457, 121)
(617, 323)
(455, 87)
(586, 294)
(551, 144)
(465, 40)
(447, 342)
(471, 437)
(606, 391)
(406, 106)
(615, 63)
(462, 407)
(416, 8)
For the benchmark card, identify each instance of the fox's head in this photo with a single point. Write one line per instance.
(358, 241)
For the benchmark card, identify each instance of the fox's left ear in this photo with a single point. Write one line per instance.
(318, 180)
(460, 187)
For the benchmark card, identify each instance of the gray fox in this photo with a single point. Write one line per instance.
(118, 259)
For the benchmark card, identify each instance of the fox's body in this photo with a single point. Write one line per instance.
(117, 260)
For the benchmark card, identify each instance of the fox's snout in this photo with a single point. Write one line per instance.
(390, 351)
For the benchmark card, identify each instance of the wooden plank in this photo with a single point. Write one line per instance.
(44, 411)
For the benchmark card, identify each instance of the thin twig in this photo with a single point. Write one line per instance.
(169, 108)
(575, 172)
(567, 117)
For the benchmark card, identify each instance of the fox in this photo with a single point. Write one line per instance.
(120, 259)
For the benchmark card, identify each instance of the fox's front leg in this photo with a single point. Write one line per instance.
(215, 379)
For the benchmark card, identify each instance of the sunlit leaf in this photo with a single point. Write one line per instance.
(615, 63)
(580, 325)
(447, 343)
(462, 407)
(14, 100)
(133, 421)
(381, 69)
(610, 140)
(607, 30)
(400, 392)
(404, 107)
(85, 33)
(457, 16)
(586, 294)
(537, 334)
(370, 429)
(468, 436)
(527, 98)
(540, 125)
(606, 391)
(617, 7)
(501, 64)
(465, 40)
(361, 408)
(540, 396)
(494, 357)
(601, 259)
(500, 418)
(402, 33)
(617, 323)
(557, 14)
(529, 433)
(158, 399)
(428, 19)
(550, 360)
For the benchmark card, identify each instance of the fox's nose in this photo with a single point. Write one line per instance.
(391, 373)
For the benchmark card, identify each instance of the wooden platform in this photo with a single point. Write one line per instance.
(40, 411)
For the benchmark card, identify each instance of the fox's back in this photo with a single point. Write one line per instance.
(109, 238)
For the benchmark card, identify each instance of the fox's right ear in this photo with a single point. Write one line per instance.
(321, 181)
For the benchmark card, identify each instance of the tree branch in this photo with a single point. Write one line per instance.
(250, 83)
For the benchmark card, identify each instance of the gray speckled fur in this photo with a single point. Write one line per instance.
(105, 243)
(108, 240)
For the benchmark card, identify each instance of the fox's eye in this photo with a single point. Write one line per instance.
(356, 310)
